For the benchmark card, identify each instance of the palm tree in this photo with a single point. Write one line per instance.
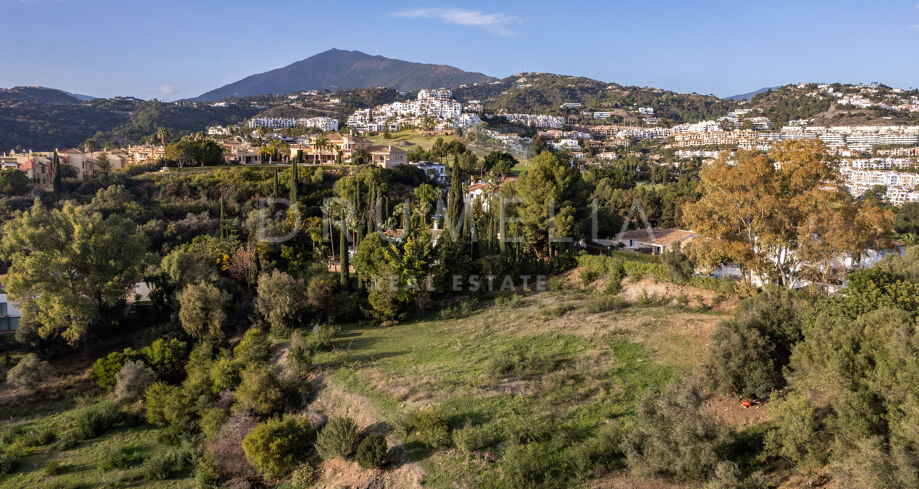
(319, 143)
(163, 135)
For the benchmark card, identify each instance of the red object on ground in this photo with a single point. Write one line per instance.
(746, 403)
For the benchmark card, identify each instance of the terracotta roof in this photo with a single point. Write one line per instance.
(656, 236)
(477, 186)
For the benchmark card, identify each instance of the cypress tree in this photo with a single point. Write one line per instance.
(294, 181)
(343, 249)
(455, 200)
(56, 177)
(275, 182)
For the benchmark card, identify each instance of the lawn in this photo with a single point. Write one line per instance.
(543, 364)
(54, 465)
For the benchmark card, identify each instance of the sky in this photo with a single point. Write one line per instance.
(172, 49)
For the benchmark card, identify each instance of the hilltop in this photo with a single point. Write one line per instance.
(341, 69)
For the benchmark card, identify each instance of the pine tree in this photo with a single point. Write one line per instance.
(56, 177)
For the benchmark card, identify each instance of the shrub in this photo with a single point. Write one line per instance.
(211, 421)
(205, 475)
(522, 360)
(600, 304)
(303, 477)
(29, 373)
(167, 357)
(675, 437)
(106, 368)
(254, 347)
(431, 427)
(8, 461)
(300, 354)
(168, 405)
(114, 457)
(54, 468)
(320, 338)
(277, 446)
(260, 390)
(280, 300)
(557, 310)
(750, 351)
(132, 381)
(371, 451)
(163, 464)
(533, 465)
(173, 436)
(474, 438)
(797, 436)
(202, 310)
(92, 421)
(46, 436)
(224, 373)
(337, 438)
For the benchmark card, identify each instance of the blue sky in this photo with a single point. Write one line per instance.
(175, 49)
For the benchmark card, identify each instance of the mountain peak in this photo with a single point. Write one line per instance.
(343, 69)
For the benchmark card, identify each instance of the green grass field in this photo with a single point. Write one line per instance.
(578, 369)
(57, 466)
(516, 368)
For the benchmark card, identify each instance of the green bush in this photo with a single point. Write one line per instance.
(173, 436)
(205, 475)
(211, 421)
(675, 437)
(260, 391)
(168, 405)
(94, 420)
(255, 347)
(167, 357)
(224, 373)
(431, 428)
(606, 303)
(321, 337)
(46, 436)
(474, 438)
(54, 468)
(303, 477)
(277, 446)
(371, 451)
(337, 438)
(106, 368)
(523, 361)
(8, 461)
(164, 464)
(300, 354)
(114, 457)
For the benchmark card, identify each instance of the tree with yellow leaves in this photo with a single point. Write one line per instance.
(784, 216)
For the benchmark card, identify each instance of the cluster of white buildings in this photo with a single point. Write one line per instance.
(437, 105)
(536, 120)
(866, 96)
(321, 123)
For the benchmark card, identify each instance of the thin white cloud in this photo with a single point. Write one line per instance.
(168, 90)
(495, 23)
(914, 27)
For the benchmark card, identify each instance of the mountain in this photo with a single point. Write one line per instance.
(81, 97)
(748, 96)
(37, 94)
(341, 69)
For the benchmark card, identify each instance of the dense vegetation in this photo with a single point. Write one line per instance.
(445, 354)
